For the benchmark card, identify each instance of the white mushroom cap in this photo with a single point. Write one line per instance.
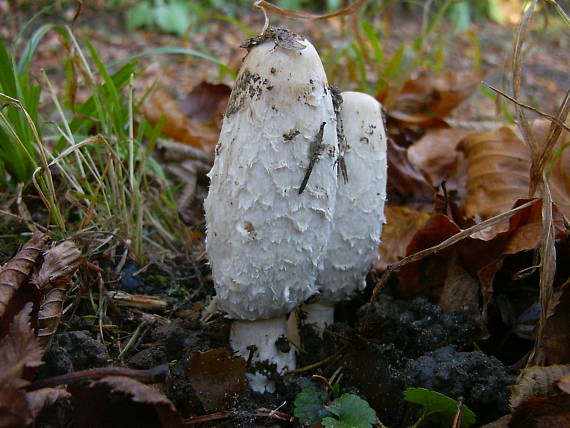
(359, 211)
(266, 241)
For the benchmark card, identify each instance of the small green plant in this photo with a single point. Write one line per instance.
(169, 16)
(332, 410)
(438, 407)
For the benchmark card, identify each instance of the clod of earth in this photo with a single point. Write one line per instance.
(266, 241)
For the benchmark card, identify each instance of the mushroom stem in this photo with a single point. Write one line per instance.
(260, 340)
(320, 314)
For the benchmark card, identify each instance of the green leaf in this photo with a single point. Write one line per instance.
(435, 403)
(140, 16)
(172, 18)
(310, 407)
(351, 411)
(460, 15)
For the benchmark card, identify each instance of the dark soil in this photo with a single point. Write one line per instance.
(382, 349)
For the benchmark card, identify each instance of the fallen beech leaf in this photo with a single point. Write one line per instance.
(217, 378)
(537, 382)
(547, 412)
(59, 265)
(460, 290)
(564, 384)
(14, 410)
(42, 398)
(422, 276)
(428, 99)
(16, 271)
(481, 258)
(556, 345)
(497, 172)
(405, 181)
(122, 401)
(436, 155)
(160, 106)
(402, 223)
(19, 349)
(206, 102)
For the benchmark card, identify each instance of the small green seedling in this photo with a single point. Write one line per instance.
(437, 406)
(333, 410)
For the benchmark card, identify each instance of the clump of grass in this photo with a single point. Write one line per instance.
(99, 179)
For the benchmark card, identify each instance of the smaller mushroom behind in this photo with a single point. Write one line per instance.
(359, 210)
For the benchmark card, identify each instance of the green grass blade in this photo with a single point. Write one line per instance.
(177, 51)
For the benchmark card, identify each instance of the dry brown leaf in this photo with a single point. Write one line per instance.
(160, 106)
(16, 271)
(556, 344)
(559, 177)
(125, 400)
(60, 264)
(497, 172)
(422, 277)
(436, 155)
(537, 382)
(547, 412)
(564, 384)
(460, 290)
(42, 398)
(206, 102)
(405, 181)
(402, 223)
(428, 99)
(217, 378)
(14, 410)
(19, 349)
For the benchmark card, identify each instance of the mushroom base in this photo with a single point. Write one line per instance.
(269, 337)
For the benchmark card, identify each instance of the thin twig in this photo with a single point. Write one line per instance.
(547, 116)
(153, 375)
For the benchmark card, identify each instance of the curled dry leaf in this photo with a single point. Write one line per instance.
(556, 345)
(206, 102)
(548, 412)
(60, 264)
(17, 271)
(402, 223)
(436, 155)
(19, 349)
(428, 99)
(160, 106)
(127, 401)
(42, 398)
(559, 177)
(217, 378)
(537, 382)
(405, 181)
(423, 276)
(498, 170)
(564, 384)
(481, 257)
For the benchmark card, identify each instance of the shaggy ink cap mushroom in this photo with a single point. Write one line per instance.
(265, 241)
(359, 211)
